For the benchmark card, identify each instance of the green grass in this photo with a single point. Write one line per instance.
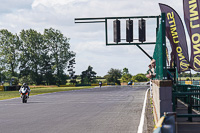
(36, 91)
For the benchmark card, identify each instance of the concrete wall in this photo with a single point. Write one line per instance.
(162, 97)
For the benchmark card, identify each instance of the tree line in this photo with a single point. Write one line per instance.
(36, 58)
(33, 57)
(112, 76)
(184, 74)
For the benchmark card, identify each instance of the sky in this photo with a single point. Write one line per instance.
(88, 40)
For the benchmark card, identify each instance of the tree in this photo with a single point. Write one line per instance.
(125, 71)
(26, 79)
(196, 75)
(46, 69)
(42, 58)
(71, 71)
(9, 52)
(59, 46)
(126, 76)
(140, 78)
(113, 76)
(31, 50)
(88, 76)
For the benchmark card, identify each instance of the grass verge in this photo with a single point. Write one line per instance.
(36, 91)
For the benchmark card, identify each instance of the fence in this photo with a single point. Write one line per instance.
(189, 82)
(11, 88)
(190, 95)
(160, 51)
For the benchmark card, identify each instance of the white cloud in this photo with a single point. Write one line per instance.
(87, 40)
(8, 6)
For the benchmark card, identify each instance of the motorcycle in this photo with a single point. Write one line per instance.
(24, 94)
(100, 84)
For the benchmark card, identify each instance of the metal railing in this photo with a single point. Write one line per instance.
(189, 82)
(190, 95)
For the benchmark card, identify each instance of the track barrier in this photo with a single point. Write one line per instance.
(166, 124)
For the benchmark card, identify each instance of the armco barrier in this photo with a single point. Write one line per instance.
(67, 86)
(94, 84)
(83, 85)
(111, 83)
(1, 88)
(98, 84)
(11, 88)
(166, 124)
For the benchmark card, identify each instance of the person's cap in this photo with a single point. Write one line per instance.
(153, 61)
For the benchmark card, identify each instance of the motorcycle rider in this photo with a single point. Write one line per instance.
(25, 86)
(100, 84)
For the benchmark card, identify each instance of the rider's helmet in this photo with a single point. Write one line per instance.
(24, 84)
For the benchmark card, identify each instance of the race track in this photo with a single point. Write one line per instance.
(112, 109)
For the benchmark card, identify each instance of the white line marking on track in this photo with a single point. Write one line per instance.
(140, 127)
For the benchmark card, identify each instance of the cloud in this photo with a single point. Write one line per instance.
(8, 6)
(88, 40)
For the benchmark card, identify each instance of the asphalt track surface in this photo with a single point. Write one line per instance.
(113, 109)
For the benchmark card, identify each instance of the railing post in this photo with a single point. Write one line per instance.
(190, 108)
(189, 102)
(198, 101)
(163, 53)
(174, 102)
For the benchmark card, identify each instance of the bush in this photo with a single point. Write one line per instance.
(187, 78)
(139, 78)
(126, 77)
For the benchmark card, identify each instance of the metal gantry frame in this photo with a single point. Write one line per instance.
(105, 21)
